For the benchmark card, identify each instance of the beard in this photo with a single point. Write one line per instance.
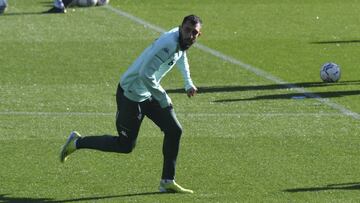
(185, 44)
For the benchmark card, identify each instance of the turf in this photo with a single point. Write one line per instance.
(246, 139)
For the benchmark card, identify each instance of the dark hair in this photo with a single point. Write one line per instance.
(193, 19)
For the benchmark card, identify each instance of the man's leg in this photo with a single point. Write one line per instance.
(128, 121)
(60, 6)
(3, 7)
(169, 124)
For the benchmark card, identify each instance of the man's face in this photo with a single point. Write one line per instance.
(189, 34)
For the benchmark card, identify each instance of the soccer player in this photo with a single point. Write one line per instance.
(3, 6)
(59, 6)
(140, 94)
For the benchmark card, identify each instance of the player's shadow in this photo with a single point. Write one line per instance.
(341, 186)
(337, 42)
(296, 96)
(22, 13)
(6, 199)
(47, 4)
(28, 13)
(238, 88)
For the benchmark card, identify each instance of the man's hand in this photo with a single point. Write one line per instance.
(191, 91)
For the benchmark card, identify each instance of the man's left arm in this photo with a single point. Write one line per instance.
(183, 66)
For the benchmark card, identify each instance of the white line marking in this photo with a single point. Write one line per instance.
(243, 65)
(25, 113)
(29, 113)
(135, 19)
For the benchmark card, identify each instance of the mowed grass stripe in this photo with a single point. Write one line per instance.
(248, 67)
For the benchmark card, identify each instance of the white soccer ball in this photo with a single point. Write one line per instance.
(330, 72)
(3, 6)
(86, 3)
(102, 2)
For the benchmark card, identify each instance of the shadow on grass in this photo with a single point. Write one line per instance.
(23, 13)
(6, 199)
(214, 89)
(341, 186)
(296, 96)
(337, 42)
(46, 4)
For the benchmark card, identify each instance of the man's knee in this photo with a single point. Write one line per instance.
(125, 144)
(178, 130)
(174, 131)
(127, 139)
(128, 147)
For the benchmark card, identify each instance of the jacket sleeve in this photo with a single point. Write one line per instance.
(183, 66)
(147, 74)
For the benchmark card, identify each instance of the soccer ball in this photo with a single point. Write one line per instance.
(3, 6)
(86, 3)
(102, 2)
(330, 72)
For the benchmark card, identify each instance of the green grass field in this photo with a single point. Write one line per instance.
(246, 139)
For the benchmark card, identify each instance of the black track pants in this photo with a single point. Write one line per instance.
(128, 120)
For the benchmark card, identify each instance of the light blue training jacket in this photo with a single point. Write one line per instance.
(142, 79)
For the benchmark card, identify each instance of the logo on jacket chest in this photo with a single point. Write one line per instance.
(174, 59)
(171, 62)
